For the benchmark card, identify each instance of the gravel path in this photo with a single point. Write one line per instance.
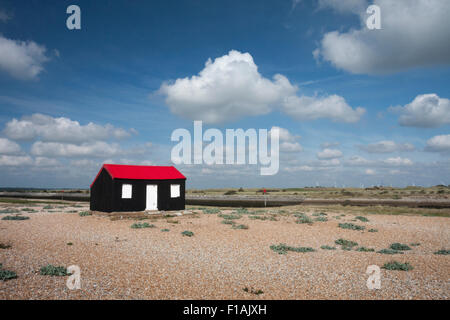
(118, 262)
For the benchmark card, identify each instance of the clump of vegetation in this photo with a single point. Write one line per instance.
(15, 218)
(187, 233)
(328, 248)
(283, 248)
(389, 251)
(361, 218)
(165, 230)
(373, 230)
(319, 214)
(242, 211)
(48, 207)
(4, 246)
(364, 249)
(443, 252)
(85, 214)
(28, 210)
(350, 226)
(9, 211)
(321, 219)
(172, 221)
(139, 225)
(302, 218)
(399, 247)
(241, 189)
(69, 243)
(253, 291)
(394, 265)
(51, 270)
(228, 222)
(346, 244)
(239, 227)
(211, 210)
(230, 193)
(6, 274)
(258, 217)
(230, 216)
(415, 244)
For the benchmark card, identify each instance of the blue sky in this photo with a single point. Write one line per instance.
(134, 69)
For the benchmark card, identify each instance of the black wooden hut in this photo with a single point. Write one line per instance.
(126, 188)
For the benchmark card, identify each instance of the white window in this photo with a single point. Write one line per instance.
(174, 190)
(126, 191)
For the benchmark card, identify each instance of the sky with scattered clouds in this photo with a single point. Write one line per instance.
(354, 106)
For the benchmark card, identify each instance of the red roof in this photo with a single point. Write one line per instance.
(120, 171)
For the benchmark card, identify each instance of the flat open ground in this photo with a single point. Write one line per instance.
(218, 262)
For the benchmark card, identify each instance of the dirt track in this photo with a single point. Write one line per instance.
(118, 262)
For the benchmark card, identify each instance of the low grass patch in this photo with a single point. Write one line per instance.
(230, 216)
(48, 207)
(84, 214)
(242, 211)
(373, 230)
(395, 265)
(165, 230)
(15, 218)
(50, 270)
(283, 248)
(187, 233)
(321, 219)
(389, 251)
(443, 252)
(239, 227)
(361, 218)
(399, 247)
(29, 210)
(364, 249)
(211, 211)
(228, 222)
(327, 248)
(346, 244)
(139, 225)
(415, 244)
(318, 214)
(351, 226)
(6, 211)
(6, 274)
(302, 219)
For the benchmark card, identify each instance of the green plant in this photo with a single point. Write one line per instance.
(350, 226)
(187, 233)
(414, 244)
(443, 252)
(51, 270)
(28, 210)
(230, 192)
(211, 210)
(228, 222)
(239, 227)
(321, 219)
(69, 243)
(373, 230)
(47, 207)
(242, 211)
(85, 214)
(302, 218)
(361, 218)
(6, 274)
(364, 249)
(328, 248)
(230, 216)
(139, 225)
(9, 211)
(283, 248)
(165, 230)
(399, 247)
(346, 244)
(258, 217)
(394, 265)
(15, 218)
(389, 251)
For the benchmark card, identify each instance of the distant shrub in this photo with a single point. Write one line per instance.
(399, 247)
(47, 207)
(414, 244)
(389, 251)
(443, 252)
(230, 192)
(242, 211)
(28, 210)
(228, 222)
(15, 218)
(302, 218)
(328, 248)
(373, 230)
(51, 270)
(9, 211)
(165, 230)
(239, 227)
(350, 226)
(241, 189)
(346, 244)
(230, 216)
(321, 219)
(85, 214)
(139, 225)
(283, 248)
(394, 265)
(6, 274)
(69, 243)
(363, 219)
(187, 233)
(258, 217)
(211, 210)
(364, 249)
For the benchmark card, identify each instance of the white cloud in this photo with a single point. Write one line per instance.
(329, 145)
(358, 161)
(439, 144)
(290, 147)
(370, 172)
(387, 147)
(231, 87)
(311, 108)
(9, 147)
(60, 129)
(46, 162)
(22, 59)
(414, 33)
(329, 154)
(425, 111)
(14, 161)
(398, 161)
(288, 141)
(87, 149)
(285, 135)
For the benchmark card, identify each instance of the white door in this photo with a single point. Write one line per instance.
(152, 197)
